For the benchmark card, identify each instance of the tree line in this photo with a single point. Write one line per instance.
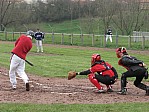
(126, 15)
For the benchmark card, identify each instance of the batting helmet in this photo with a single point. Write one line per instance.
(95, 57)
(30, 32)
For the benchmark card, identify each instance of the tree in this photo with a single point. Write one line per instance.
(129, 16)
(11, 12)
(106, 10)
(4, 6)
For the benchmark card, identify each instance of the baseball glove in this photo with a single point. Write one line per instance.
(71, 75)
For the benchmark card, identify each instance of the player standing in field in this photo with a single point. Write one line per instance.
(109, 34)
(39, 36)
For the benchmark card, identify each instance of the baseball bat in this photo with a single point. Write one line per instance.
(29, 63)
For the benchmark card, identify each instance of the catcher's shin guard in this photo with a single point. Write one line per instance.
(123, 87)
(123, 82)
(94, 81)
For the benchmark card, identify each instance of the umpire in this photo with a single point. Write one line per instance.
(135, 68)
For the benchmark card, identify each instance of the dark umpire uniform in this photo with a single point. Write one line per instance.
(135, 68)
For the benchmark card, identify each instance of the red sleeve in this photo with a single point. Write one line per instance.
(17, 41)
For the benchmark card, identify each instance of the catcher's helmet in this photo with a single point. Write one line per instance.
(30, 32)
(121, 50)
(95, 57)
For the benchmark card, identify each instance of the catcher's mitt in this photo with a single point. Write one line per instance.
(71, 75)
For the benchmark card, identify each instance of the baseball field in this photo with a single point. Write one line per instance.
(52, 92)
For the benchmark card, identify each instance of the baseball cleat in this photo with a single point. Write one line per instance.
(27, 87)
(122, 92)
(14, 87)
(100, 91)
(110, 90)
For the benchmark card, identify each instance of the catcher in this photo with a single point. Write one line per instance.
(100, 71)
(135, 68)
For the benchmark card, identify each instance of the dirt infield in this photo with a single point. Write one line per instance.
(60, 90)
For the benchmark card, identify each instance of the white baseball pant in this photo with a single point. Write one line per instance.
(109, 37)
(39, 45)
(17, 65)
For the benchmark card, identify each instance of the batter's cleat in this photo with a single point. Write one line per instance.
(14, 87)
(122, 92)
(27, 87)
(147, 91)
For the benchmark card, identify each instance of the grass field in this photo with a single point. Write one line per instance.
(122, 107)
(56, 62)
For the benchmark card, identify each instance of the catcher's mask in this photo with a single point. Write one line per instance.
(95, 57)
(120, 50)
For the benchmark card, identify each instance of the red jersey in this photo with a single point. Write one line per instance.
(101, 68)
(22, 46)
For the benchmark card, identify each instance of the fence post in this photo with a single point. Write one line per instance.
(62, 38)
(101, 42)
(104, 44)
(143, 42)
(116, 40)
(129, 42)
(5, 35)
(92, 39)
(72, 39)
(52, 37)
(12, 36)
(82, 39)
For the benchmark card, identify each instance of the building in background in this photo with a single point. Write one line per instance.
(144, 4)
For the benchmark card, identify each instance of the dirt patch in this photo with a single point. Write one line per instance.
(60, 90)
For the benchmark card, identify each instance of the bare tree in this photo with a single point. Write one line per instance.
(3, 10)
(87, 14)
(6, 12)
(106, 10)
(130, 16)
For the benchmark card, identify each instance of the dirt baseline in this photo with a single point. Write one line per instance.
(60, 90)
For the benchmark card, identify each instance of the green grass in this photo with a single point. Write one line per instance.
(56, 62)
(121, 107)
